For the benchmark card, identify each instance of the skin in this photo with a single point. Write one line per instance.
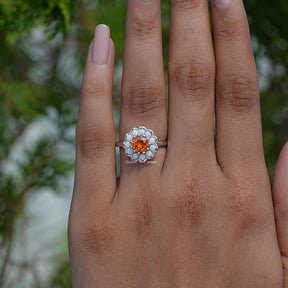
(200, 216)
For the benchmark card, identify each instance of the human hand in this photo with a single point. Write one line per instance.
(199, 216)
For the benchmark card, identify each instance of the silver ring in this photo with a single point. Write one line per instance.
(141, 144)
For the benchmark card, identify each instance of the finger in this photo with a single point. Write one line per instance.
(143, 89)
(280, 198)
(191, 81)
(238, 120)
(95, 161)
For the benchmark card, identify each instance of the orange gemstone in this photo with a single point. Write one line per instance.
(140, 144)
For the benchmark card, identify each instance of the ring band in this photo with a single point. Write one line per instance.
(140, 144)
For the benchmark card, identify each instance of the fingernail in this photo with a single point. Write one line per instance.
(222, 4)
(101, 42)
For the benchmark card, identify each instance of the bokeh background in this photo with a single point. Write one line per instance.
(42, 54)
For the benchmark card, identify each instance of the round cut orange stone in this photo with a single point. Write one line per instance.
(140, 144)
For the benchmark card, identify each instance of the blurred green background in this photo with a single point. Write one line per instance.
(42, 55)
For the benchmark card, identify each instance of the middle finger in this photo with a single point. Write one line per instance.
(191, 82)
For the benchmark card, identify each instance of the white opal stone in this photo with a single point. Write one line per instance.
(129, 137)
(135, 132)
(141, 131)
(148, 134)
(149, 154)
(129, 151)
(152, 140)
(153, 148)
(127, 144)
(135, 156)
(142, 157)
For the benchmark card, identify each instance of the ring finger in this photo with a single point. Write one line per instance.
(143, 100)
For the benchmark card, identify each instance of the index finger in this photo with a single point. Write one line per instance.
(95, 145)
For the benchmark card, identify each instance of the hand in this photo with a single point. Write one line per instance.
(199, 216)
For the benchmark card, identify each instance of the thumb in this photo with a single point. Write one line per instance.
(280, 199)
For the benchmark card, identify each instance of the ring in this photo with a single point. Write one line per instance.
(141, 144)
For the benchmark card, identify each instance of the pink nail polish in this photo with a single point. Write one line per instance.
(222, 4)
(101, 42)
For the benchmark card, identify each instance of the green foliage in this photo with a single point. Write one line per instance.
(11, 206)
(43, 161)
(22, 103)
(19, 16)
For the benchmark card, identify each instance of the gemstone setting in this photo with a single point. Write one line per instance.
(140, 144)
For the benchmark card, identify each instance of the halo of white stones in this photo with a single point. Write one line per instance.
(145, 133)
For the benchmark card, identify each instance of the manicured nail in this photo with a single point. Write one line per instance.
(222, 4)
(101, 42)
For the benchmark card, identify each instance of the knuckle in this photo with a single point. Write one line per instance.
(230, 31)
(141, 216)
(188, 207)
(93, 236)
(97, 237)
(240, 203)
(187, 5)
(240, 95)
(245, 192)
(94, 142)
(243, 206)
(92, 89)
(193, 78)
(144, 27)
(143, 101)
